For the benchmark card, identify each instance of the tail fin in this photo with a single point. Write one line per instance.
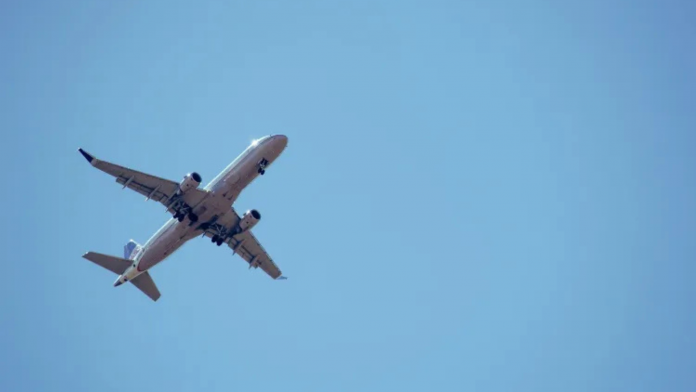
(131, 250)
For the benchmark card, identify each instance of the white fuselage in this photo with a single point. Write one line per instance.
(223, 190)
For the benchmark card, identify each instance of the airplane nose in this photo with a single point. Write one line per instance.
(280, 141)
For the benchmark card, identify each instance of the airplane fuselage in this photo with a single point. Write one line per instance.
(223, 190)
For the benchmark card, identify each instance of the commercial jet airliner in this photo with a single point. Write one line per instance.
(205, 212)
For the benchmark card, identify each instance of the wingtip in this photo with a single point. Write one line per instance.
(87, 155)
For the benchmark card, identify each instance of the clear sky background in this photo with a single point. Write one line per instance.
(476, 195)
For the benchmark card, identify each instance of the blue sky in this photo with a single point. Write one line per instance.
(488, 196)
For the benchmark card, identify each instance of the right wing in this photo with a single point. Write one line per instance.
(152, 187)
(250, 249)
(247, 246)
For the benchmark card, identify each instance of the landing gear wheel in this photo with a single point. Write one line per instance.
(214, 239)
(179, 217)
(193, 217)
(262, 166)
(220, 241)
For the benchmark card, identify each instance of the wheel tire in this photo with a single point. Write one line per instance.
(262, 172)
(193, 217)
(214, 239)
(180, 218)
(220, 242)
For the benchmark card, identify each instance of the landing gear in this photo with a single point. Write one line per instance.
(262, 166)
(217, 240)
(219, 232)
(182, 210)
(180, 217)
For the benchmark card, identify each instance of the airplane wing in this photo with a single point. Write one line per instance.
(251, 250)
(248, 247)
(152, 187)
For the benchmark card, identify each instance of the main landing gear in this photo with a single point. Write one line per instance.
(262, 166)
(217, 240)
(220, 231)
(181, 215)
(182, 210)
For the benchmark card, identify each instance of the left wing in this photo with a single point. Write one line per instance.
(152, 187)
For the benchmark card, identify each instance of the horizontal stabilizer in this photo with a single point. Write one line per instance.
(145, 284)
(116, 265)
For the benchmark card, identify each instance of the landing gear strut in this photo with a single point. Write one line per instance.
(182, 210)
(219, 232)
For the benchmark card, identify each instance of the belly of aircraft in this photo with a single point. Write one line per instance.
(164, 246)
(218, 203)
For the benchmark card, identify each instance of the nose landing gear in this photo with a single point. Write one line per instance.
(262, 166)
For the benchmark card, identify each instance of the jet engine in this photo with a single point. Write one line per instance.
(249, 220)
(191, 180)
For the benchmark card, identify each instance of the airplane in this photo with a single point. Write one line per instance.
(195, 211)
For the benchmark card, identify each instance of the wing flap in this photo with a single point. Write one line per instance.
(145, 188)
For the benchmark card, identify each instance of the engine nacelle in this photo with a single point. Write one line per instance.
(249, 220)
(190, 181)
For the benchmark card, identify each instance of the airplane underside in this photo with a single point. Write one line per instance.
(181, 210)
(209, 212)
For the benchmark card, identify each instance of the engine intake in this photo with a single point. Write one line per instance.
(190, 181)
(249, 220)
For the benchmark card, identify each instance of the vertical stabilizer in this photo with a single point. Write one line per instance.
(131, 250)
